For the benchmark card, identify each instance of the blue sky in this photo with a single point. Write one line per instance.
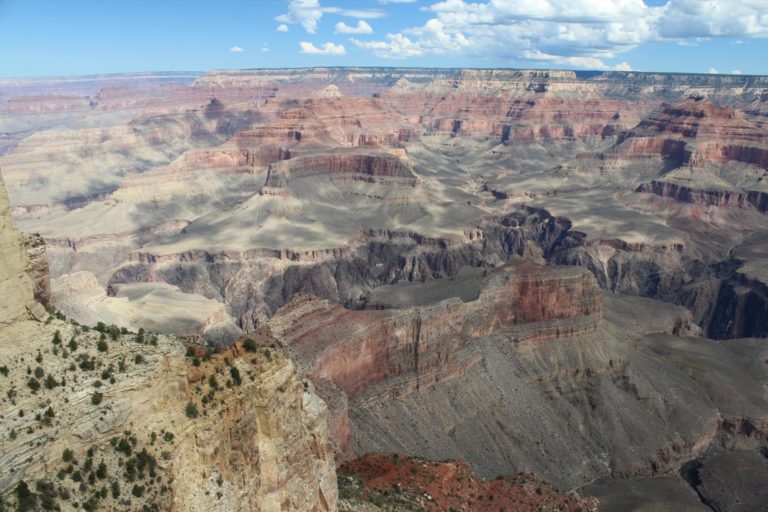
(69, 37)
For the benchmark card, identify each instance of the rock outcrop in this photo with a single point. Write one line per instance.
(258, 442)
(15, 286)
(721, 198)
(344, 165)
(38, 269)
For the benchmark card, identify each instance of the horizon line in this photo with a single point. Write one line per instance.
(594, 72)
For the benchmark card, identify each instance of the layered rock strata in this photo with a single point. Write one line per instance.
(393, 352)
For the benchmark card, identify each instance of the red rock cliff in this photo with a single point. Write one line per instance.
(367, 353)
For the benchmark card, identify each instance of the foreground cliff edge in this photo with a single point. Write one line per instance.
(113, 420)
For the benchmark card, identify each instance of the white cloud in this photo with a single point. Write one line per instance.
(368, 14)
(714, 18)
(282, 27)
(265, 49)
(713, 71)
(308, 13)
(362, 28)
(736, 72)
(398, 46)
(327, 49)
(583, 33)
(236, 49)
(397, 1)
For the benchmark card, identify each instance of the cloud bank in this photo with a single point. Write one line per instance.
(577, 33)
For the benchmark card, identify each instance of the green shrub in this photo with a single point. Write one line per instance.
(86, 363)
(67, 455)
(102, 346)
(91, 504)
(96, 398)
(235, 374)
(50, 382)
(26, 499)
(39, 372)
(33, 384)
(249, 345)
(124, 446)
(190, 410)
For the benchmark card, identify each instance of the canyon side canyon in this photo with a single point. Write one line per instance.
(299, 289)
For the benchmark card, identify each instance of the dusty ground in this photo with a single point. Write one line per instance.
(405, 483)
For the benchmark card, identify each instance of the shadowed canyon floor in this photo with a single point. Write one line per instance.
(552, 272)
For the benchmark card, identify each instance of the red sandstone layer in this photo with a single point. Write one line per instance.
(373, 352)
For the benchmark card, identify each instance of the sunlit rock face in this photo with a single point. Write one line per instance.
(15, 283)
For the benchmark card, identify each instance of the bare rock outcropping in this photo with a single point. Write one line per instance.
(38, 269)
(18, 301)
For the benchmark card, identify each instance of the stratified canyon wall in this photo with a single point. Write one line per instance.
(358, 355)
(366, 217)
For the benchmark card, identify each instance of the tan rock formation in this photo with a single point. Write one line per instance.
(38, 269)
(15, 286)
